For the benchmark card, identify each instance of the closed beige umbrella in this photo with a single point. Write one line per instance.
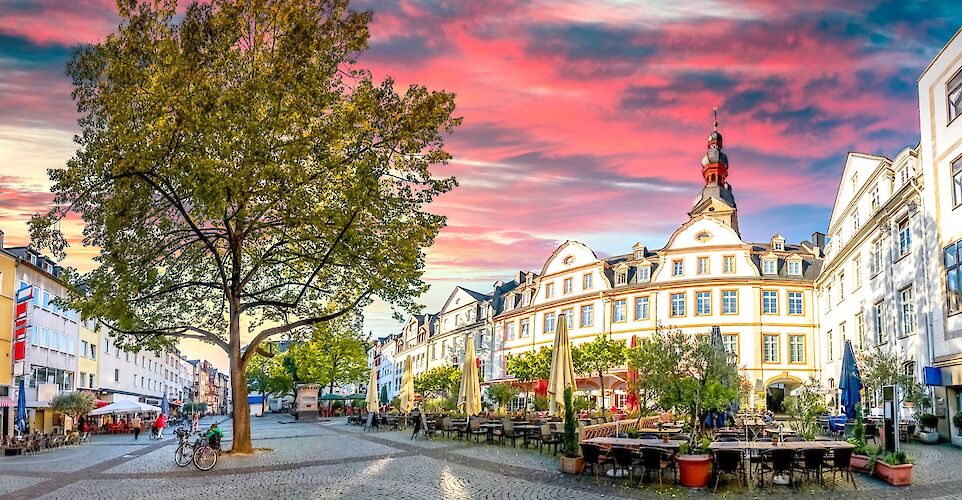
(371, 399)
(562, 369)
(469, 395)
(407, 388)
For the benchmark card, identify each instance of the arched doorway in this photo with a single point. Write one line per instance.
(777, 389)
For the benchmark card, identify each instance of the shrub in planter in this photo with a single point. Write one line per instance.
(894, 468)
(571, 461)
(957, 421)
(928, 433)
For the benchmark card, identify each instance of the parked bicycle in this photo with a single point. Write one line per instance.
(185, 449)
(203, 451)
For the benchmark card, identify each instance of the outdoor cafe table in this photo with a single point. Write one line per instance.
(608, 442)
(490, 427)
(527, 429)
(663, 430)
(789, 445)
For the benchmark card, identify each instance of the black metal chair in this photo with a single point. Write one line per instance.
(871, 430)
(647, 435)
(727, 439)
(625, 459)
(812, 463)
(729, 462)
(776, 462)
(653, 460)
(841, 461)
(594, 459)
(507, 431)
(548, 438)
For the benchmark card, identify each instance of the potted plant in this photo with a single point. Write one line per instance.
(957, 421)
(860, 455)
(929, 432)
(894, 468)
(694, 463)
(571, 460)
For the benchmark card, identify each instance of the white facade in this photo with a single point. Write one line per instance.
(873, 289)
(142, 376)
(940, 104)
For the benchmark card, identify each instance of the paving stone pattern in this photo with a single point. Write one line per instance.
(330, 459)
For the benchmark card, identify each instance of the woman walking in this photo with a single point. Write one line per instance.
(135, 424)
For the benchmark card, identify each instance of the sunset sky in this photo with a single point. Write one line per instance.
(582, 120)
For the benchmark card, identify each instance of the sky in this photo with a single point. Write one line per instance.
(583, 120)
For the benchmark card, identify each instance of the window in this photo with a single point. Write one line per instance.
(641, 308)
(829, 346)
(794, 268)
(908, 311)
(729, 301)
(769, 302)
(525, 301)
(879, 310)
(876, 265)
(796, 306)
(857, 271)
(569, 315)
(568, 285)
(621, 277)
(828, 298)
(702, 303)
(677, 304)
(510, 333)
(730, 344)
(860, 329)
(549, 290)
(770, 348)
(550, 322)
(855, 222)
(619, 311)
(876, 201)
(525, 327)
(796, 348)
(905, 237)
(953, 276)
(586, 282)
(677, 268)
(841, 286)
(779, 246)
(116, 375)
(904, 175)
(702, 265)
(46, 299)
(106, 347)
(644, 274)
(957, 182)
(770, 266)
(728, 264)
(83, 379)
(953, 94)
(587, 315)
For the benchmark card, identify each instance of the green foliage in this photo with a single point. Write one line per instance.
(194, 407)
(583, 403)
(502, 394)
(632, 433)
(804, 409)
(599, 356)
(333, 355)
(540, 403)
(685, 373)
(236, 169)
(897, 458)
(569, 445)
(269, 375)
(928, 421)
(440, 382)
(879, 368)
(957, 419)
(73, 404)
(396, 402)
(529, 367)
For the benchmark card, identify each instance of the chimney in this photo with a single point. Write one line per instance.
(818, 239)
(1, 238)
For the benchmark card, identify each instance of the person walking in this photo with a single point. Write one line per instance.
(135, 425)
(416, 415)
(160, 424)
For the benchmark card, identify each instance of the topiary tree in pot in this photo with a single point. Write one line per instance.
(571, 461)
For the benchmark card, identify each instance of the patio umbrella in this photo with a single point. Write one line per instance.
(469, 396)
(125, 406)
(407, 388)
(20, 423)
(850, 382)
(165, 406)
(562, 368)
(371, 399)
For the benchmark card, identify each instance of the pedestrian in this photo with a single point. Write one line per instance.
(135, 426)
(416, 415)
(160, 424)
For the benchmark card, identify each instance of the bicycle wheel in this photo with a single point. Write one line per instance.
(205, 457)
(184, 455)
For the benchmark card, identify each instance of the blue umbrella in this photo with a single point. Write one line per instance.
(850, 382)
(165, 406)
(20, 422)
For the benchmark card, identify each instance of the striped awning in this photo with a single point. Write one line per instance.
(8, 403)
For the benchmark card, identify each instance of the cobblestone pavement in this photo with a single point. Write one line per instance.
(330, 459)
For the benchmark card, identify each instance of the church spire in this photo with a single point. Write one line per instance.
(716, 197)
(714, 165)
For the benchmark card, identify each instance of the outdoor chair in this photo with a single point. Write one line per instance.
(594, 459)
(777, 462)
(624, 459)
(728, 462)
(812, 463)
(871, 430)
(841, 461)
(727, 439)
(820, 438)
(653, 460)
(507, 431)
(474, 428)
(548, 438)
(904, 435)
(447, 427)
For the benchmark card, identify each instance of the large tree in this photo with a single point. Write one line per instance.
(530, 367)
(243, 178)
(267, 374)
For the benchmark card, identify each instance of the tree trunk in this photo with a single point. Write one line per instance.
(238, 380)
(601, 382)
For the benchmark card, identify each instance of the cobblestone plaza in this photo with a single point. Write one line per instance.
(330, 459)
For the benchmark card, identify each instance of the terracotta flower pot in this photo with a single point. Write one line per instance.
(572, 465)
(859, 463)
(694, 470)
(896, 475)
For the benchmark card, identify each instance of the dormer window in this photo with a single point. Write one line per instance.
(528, 279)
(795, 267)
(770, 266)
(638, 251)
(779, 246)
(644, 274)
(621, 277)
(639, 254)
(778, 243)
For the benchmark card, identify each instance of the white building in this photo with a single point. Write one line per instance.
(940, 152)
(873, 288)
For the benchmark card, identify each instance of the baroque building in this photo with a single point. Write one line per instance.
(760, 296)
